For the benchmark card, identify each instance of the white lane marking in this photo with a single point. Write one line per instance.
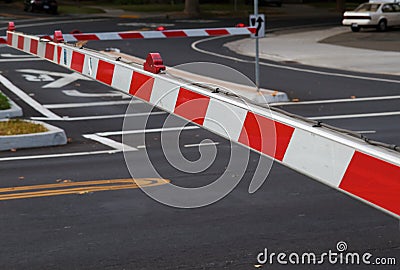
(60, 155)
(154, 130)
(335, 100)
(194, 47)
(96, 117)
(52, 23)
(111, 143)
(76, 93)
(201, 144)
(21, 59)
(360, 115)
(28, 100)
(366, 131)
(90, 104)
(15, 55)
(66, 78)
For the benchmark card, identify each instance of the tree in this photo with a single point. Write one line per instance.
(192, 7)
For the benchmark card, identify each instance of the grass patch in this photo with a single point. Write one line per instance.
(4, 102)
(70, 9)
(19, 127)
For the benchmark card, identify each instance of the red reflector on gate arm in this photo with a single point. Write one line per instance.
(58, 37)
(154, 63)
(240, 25)
(160, 28)
(11, 26)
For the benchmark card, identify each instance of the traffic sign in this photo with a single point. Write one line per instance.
(258, 21)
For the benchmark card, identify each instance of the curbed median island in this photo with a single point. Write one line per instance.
(17, 133)
(8, 108)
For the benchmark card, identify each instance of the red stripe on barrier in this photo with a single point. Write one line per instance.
(86, 37)
(3, 41)
(9, 38)
(380, 185)
(49, 53)
(191, 105)
(77, 61)
(20, 42)
(141, 86)
(174, 33)
(265, 135)
(217, 32)
(105, 72)
(129, 35)
(59, 49)
(34, 46)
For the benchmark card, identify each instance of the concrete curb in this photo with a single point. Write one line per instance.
(14, 111)
(54, 136)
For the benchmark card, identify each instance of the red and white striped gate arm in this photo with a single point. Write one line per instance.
(368, 173)
(206, 32)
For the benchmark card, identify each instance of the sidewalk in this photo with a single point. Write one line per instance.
(304, 48)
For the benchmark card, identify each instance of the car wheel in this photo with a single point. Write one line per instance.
(382, 26)
(355, 28)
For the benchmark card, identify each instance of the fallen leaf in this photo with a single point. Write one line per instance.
(67, 181)
(353, 97)
(295, 100)
(21, 177)
(13, 150)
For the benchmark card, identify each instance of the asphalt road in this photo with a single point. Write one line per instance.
(125, 229)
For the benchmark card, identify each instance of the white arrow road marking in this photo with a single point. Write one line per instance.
(66, 78)
(40, 78)
(111, 143)
(28, 100)
(76, 93)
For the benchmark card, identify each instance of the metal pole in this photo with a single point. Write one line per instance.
(257, 67)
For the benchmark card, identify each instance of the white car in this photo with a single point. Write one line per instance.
(380, 15)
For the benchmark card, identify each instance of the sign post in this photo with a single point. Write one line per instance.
(257, 20)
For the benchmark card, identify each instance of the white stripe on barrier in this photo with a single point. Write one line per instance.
(320, 154)
(164, 94)
(228, 125)
(109, 36)
(122, 78)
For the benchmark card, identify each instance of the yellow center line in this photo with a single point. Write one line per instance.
(78, 187)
